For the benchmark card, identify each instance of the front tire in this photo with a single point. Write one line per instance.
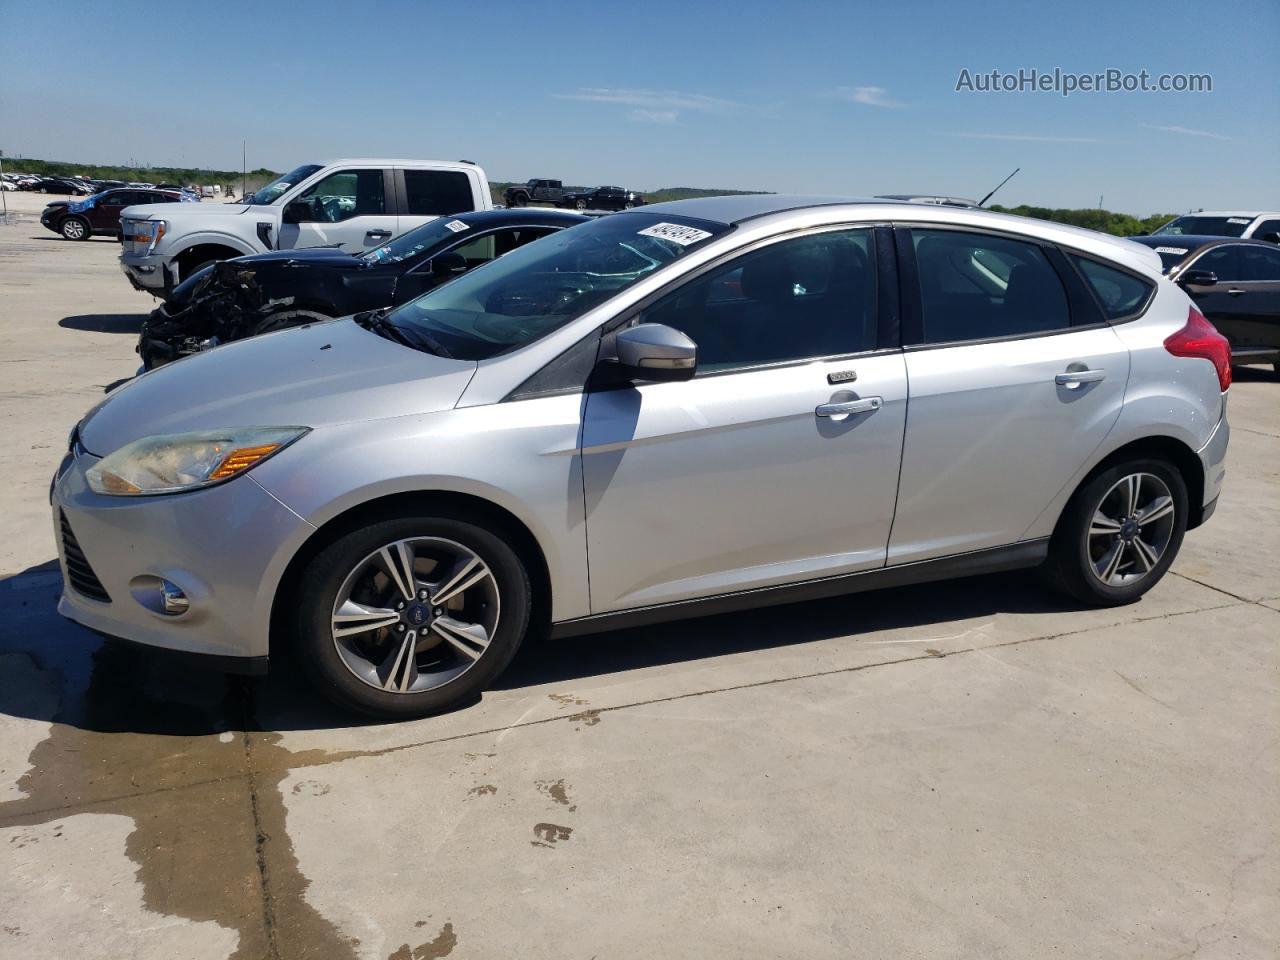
(412, 616)
(1119, 533)
(580, 204)
(74, 228)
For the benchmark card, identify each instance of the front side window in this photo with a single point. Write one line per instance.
(540, 287)
(1121, 294)
(1224, 261)
(346, 194)
(1193, 225)
(811, 296)
(497, 244)
(978, 287)
(276, 188)
(437, 193)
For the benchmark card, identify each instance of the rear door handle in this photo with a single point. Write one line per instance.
(844, 408)
(1072, 379)
(378, 234)
(1235, 291)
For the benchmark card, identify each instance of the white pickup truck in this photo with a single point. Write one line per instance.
(355, 204)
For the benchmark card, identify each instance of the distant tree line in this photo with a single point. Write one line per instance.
(1104, 221)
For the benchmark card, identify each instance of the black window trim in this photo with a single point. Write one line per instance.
(887, 309)
(1058, 255)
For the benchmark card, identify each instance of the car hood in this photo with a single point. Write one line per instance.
(314, 376)
(168, 211)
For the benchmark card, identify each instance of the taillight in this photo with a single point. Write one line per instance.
(1200, 338)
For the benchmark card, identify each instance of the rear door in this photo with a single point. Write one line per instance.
(778, 462)
(350, 207)
(1015, 380)
(427, 194)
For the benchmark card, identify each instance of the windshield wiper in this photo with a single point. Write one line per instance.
(376, 321)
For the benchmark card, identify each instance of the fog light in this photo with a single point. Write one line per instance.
(160, 595)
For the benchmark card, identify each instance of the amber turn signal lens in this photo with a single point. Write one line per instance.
(242, 459)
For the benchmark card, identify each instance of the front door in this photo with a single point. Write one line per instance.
(349, 208)
(778, 462)
(1007, 399)
(1245, 302)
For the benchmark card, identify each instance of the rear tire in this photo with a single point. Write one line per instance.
(363, 670)
(1115, 540)
(580, 204)
(74, 228)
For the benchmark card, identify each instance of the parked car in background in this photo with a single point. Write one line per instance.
(99, 214)
(1225, 223)
(602, 198)
(534, 191)
(247, 296)
(352, 204)
(1236, 285)
(695, 407)
(60, 185)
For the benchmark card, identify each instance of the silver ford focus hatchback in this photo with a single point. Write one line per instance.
(665, 413)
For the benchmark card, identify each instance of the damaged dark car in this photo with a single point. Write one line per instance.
(247, 296)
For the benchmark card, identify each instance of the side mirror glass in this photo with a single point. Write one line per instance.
(448, 263)
(1198, 278)
(656, 352)
(299, 211)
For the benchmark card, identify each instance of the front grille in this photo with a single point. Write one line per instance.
(80, 575)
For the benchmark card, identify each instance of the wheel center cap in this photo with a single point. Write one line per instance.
(417, 614)
(1129, 529)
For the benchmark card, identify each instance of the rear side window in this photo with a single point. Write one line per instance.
(1120, 294)
(1261, 264)
(436, 193)
(978, 287)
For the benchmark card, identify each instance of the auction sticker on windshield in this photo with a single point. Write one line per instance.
(457, 226)
(675, 232)
(1178, 250)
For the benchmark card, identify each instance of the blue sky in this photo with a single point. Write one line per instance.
(849, 98)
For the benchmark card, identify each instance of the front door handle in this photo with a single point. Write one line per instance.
(846, 407)
(378, 234)
(1235, 291)
(1072, 379)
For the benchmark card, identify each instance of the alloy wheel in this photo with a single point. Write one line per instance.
(73, 230)
(415, 614)
(1131, 529)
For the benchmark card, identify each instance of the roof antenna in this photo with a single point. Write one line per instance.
(983, 201)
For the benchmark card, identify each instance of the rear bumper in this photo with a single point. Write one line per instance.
(1213, 457)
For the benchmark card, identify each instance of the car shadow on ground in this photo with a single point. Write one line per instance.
(115, 687)
(104, 322)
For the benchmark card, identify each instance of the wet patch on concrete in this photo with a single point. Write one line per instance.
(441, 946)
(556, 791)
(484, 790)
(568, 699)
(549, 834)
(145, 740)
(587, 718)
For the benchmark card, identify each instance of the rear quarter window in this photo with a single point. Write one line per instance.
(1120, 294)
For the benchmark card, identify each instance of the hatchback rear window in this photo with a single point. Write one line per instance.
(1119, 293)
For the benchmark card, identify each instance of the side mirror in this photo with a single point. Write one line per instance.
(299, 211)
(443, 264)
(1271, 237)
(656, 352)
(1197, 278)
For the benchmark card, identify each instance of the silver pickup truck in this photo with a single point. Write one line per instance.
(354, 204)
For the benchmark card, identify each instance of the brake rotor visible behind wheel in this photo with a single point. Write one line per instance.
(412, 616)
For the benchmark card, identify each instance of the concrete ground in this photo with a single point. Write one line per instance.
(962, 770)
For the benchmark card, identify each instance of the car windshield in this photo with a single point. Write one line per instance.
(417, 241)
(272, 191)
(1206, 226)
(538, 288)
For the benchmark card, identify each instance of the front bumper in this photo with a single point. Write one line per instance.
(150, 274)
(226, 547)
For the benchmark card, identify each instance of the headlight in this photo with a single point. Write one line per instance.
(187, 461)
